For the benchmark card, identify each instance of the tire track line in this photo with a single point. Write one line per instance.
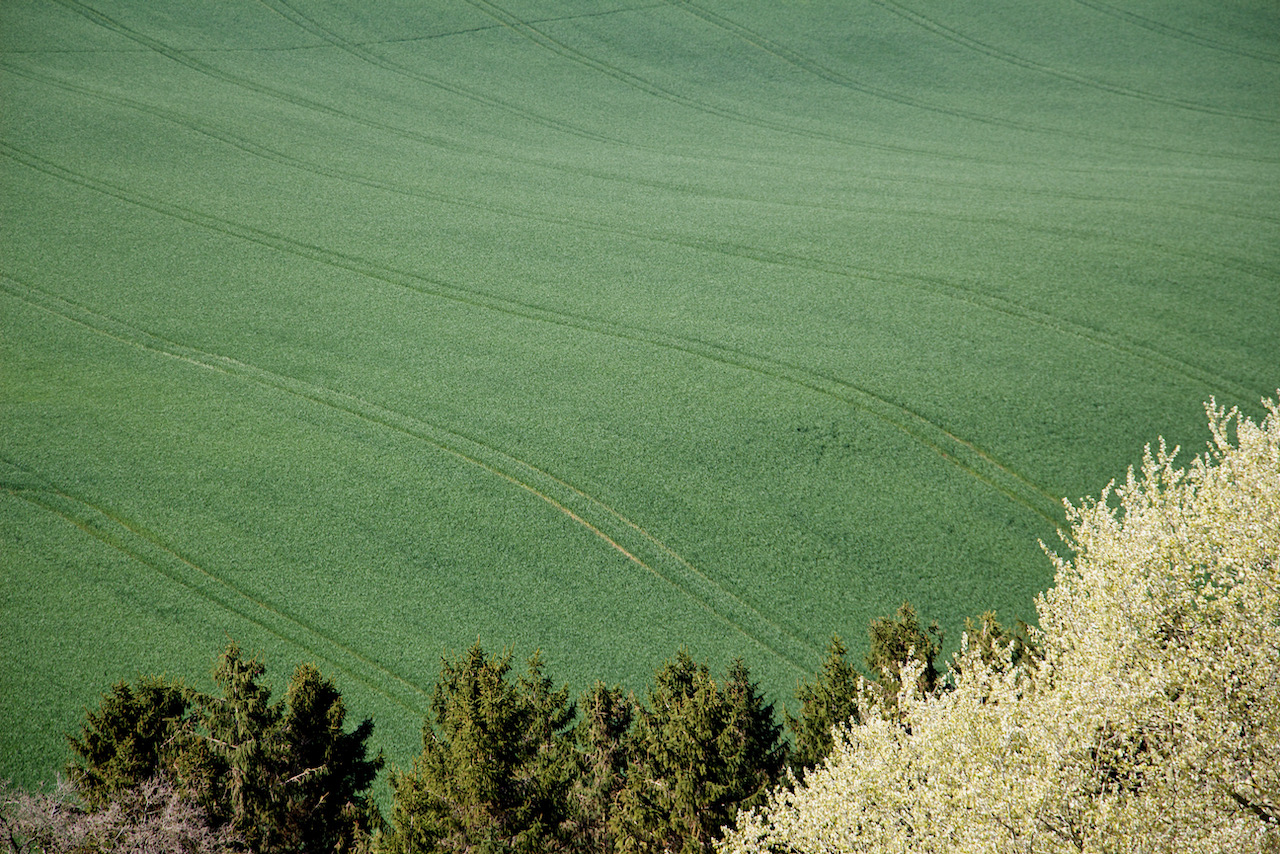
(644, 7)
(1010, 308)
(467, 31)
(361, 43)
(303, 102)
(204, 68)
(790, 373)
(1173, 32)
(864, 399)
(1220, 259)
(700, 588)
(265, 152)
(277, 156)
(239, 601)
(287, 160)
(515, 24)
(959, 38)
(858, 396)
(822, 72)
(830, 75)
(291, 14)
(452, 145)
(970, 296)
(642, 84)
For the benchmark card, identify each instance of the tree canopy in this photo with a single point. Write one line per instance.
(1147, 718)
(701, 749)
(495, 770)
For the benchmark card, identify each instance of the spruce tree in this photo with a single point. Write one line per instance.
(700, 751)
(320, 786)
(496, 765)
(228, 760)
(285, 776)
(993, 639)
(751, 744)
(896, 640)
(601, 739)
(127, 740)
(830, 702)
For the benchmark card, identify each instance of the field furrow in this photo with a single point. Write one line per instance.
(147, 549)
(358, 332)
(953, 35)
(956, 451)
(1175, 32)
(641, 547)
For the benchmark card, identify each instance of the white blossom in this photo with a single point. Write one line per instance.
(1152, 723)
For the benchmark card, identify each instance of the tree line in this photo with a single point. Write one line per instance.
(510, 761)
(1142, 713)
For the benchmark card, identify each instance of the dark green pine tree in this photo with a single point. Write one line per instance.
(601, 739)
(831, 701)
(896, 640)
(128, 740)
(286, 776)
(752, 744)
(320, 784)
(700, 751)
(992, 640)
(227, 762)
(496, 767)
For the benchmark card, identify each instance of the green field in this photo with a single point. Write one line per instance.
(359, 331)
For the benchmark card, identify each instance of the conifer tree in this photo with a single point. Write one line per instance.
(700, 751)
(601, 741)
(228, 761)
(283, 776)
(829, 703)
(898, 640)
(320, 789)
(496, 766)
(127, 740)
(996, 644)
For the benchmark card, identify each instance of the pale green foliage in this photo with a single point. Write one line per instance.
(1152, 722)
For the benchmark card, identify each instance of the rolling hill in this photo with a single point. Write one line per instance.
(358, 331)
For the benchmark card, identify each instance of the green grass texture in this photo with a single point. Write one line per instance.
(358, 331)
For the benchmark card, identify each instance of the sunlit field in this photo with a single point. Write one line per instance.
(358, 331)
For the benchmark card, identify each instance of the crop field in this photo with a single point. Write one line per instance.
(357, 331)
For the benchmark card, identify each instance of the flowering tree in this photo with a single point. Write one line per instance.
(1149, 720)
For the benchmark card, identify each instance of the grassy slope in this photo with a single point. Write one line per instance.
(359, 333)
